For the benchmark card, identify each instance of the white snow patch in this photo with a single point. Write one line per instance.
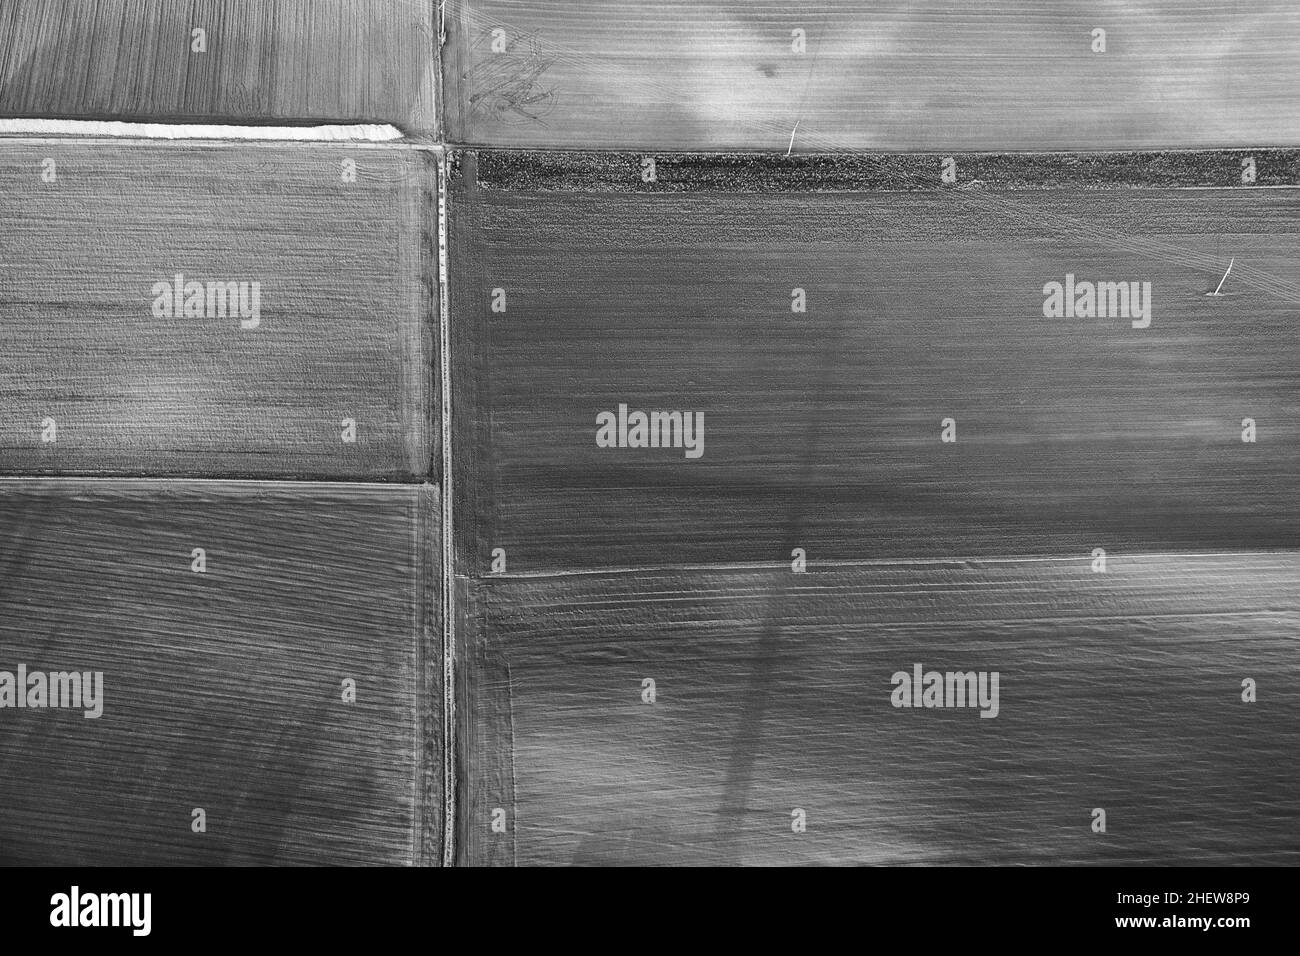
(363, 132)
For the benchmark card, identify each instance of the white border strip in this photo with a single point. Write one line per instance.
(364, 132)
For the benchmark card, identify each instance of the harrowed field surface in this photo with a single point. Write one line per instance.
(233, 61)
(732, 452)
(266, 653)
(212, 309)
(692, 433)
(879, 372)
(774, 692)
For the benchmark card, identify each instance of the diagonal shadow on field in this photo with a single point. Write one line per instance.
(746, 746)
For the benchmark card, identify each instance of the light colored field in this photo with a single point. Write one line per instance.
(223, 689)
(902, 74)
(347, 307)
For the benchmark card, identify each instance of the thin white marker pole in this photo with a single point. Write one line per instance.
(1225, 275)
